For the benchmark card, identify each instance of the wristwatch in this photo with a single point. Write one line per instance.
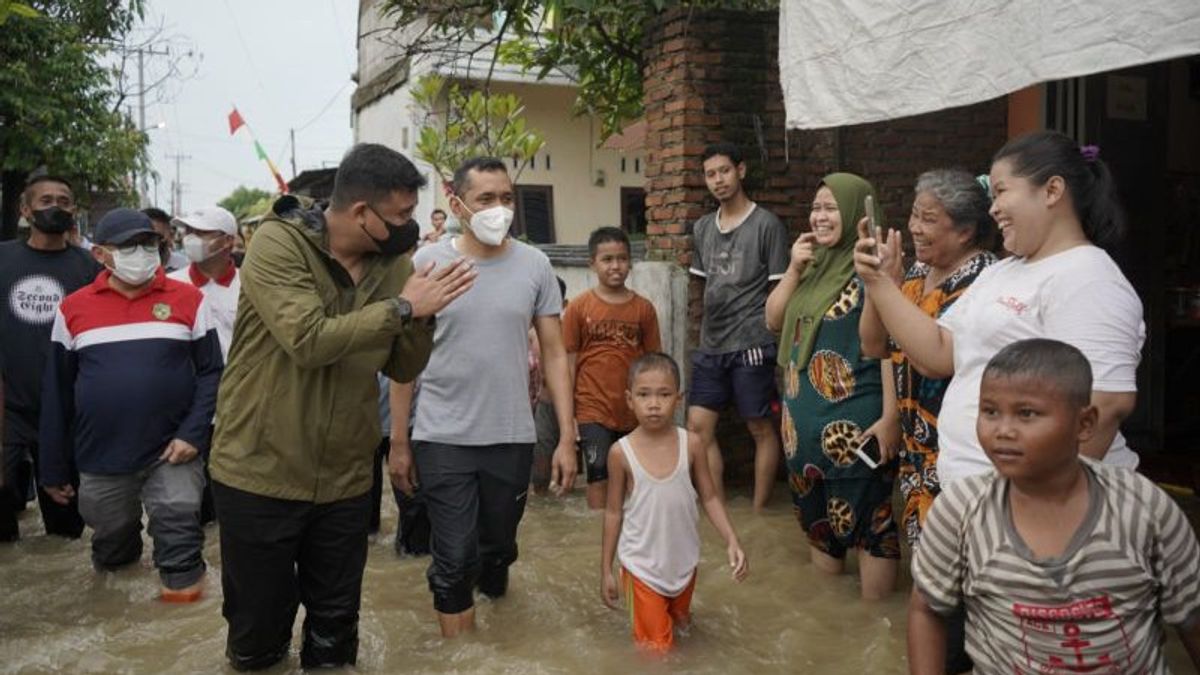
(403, 310)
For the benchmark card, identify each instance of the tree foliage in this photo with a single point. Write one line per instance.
(598, 44)
(59, 106)
(247, 202)
(457, 124)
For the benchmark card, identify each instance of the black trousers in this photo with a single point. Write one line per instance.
(20, 468)
(278, 553)
(412, 532)
(475, 496)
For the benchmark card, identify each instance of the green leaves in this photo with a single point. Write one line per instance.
(457, 124)
(59, 106)
(245, 202)
(12, 8)
(597, 43)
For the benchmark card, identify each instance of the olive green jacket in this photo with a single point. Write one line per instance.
(297, 412)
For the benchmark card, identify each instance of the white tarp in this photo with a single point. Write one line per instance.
(861, 61)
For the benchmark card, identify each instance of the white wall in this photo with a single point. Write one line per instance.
(662, 283)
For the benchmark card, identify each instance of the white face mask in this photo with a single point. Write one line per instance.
(135, 266)
(490, 225)
(196, 248)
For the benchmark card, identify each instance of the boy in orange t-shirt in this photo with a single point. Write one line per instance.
(605, 329)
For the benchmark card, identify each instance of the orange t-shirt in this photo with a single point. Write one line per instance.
(606, 338)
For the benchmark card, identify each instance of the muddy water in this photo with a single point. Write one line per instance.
(58, 615)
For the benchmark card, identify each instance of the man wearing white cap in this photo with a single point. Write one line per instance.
(209, 235)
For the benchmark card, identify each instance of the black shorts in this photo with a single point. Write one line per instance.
(745, 377)
(594, 441)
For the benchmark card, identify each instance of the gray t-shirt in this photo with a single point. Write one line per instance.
(737, 267)
(475, 390)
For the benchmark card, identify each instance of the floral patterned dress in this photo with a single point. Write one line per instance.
(920, 398)
(840, 501)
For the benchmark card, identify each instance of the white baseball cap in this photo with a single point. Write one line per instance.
(208, 219)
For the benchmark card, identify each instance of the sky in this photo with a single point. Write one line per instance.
(283, 64)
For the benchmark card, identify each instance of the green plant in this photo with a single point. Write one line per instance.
(457, 123)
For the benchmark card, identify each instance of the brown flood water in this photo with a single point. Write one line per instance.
(57, 615)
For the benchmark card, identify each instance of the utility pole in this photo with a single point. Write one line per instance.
(293, 132)
(143, 188)
(177, 202)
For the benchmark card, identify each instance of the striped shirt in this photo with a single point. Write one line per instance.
(1095, 608)
(126, 376)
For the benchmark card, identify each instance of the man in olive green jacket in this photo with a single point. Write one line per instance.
(329, 298)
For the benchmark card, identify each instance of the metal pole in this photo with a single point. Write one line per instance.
(177, 205)
(142, 117)
(293, 132)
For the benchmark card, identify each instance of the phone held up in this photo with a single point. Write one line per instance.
(876, 233)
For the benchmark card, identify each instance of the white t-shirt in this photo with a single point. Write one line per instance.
(1078, 296)
(222, 295)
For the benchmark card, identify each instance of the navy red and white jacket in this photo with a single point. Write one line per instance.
(125, 377)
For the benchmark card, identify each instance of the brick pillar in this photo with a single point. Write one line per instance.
(714, 76)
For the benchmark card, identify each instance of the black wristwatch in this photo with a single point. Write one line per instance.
(403, 310)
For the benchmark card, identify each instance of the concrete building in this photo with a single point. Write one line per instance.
(571, 187)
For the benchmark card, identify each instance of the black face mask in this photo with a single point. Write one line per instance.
(401, 238)
(53, 220)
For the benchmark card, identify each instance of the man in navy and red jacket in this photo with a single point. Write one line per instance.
(129, 392)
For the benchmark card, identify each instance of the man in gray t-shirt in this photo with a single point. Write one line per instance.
(473, 435)
(740, 252)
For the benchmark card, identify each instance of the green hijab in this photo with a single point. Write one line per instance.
(830, 270)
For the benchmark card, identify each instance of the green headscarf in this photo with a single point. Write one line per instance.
(830, 270)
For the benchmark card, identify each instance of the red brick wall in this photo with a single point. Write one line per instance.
(714, 76)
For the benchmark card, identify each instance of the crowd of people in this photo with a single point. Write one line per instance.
(987, 379)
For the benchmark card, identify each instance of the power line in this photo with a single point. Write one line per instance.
(238, 31)
(325, 109)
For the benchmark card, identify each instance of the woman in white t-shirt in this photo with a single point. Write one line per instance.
(1055, 204)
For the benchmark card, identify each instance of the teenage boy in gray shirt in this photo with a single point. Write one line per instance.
(473, 436)
(740, 252)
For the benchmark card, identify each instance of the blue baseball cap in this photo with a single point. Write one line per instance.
(120, 225)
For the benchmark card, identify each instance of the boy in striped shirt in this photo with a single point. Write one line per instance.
(1063, 564)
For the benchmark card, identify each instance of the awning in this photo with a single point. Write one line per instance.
(861, 61)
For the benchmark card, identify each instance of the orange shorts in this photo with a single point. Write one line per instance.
(654, 615)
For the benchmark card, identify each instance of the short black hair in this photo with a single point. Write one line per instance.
(370, 172)
(603, 235)
(44, 178)
(723, 148)
(157, 214)
(437, 211)
(461, 180)
(1056, 363)
(654, 361)
(562, 288)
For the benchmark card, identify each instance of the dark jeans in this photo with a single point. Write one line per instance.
(20, 468)
(475, 496)
(412, 532)
(278, 553)
(208, 512)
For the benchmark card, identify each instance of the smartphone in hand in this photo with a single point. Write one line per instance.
(876, 233)
(868, 451)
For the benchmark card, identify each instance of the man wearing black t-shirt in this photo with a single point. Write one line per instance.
(35, 276)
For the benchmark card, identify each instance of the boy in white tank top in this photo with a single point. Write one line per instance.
(655, 475)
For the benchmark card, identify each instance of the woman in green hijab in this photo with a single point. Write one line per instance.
(834, 397)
